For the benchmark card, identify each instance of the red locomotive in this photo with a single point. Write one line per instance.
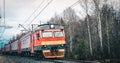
(46, 41)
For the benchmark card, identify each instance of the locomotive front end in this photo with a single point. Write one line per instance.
(53, 42)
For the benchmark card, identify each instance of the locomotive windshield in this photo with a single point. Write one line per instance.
(47, 34)
(58, 34)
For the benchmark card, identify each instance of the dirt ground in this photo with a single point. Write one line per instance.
(4, 59)
(17, 59)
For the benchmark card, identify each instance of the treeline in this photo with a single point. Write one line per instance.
(97, 36)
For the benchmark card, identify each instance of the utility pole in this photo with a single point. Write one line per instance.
(4, 26)
(4, 10)
(0, 16)
(0, 13)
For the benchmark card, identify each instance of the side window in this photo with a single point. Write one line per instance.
(37, 35)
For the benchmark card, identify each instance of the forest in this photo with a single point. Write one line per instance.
(95, 37)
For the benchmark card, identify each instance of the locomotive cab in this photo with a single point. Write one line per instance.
(52, 40)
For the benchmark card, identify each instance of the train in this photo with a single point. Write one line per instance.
(45, 41)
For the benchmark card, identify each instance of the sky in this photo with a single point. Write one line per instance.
(18, 11)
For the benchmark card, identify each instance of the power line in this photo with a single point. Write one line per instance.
(74, 4)
(40, 12)
(35, 10)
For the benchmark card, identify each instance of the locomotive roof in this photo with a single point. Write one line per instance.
(48, 26)
(42, 27)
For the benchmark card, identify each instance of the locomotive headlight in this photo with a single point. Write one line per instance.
(52, 26)
(45, 46)
(62, 45)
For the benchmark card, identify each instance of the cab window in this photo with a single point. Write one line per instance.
(58, 34)
(47, 34)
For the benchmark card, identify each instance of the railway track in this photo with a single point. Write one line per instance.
(73, 61)
(19, 59)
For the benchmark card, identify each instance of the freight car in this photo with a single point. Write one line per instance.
(46, 41)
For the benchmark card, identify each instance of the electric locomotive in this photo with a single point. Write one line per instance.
(48, 40)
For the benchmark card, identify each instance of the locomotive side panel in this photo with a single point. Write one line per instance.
(14, 46)
(19, 46)
(7, 47)
(25, 43)
(37, 40)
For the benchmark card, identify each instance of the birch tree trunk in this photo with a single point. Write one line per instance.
(89, 35)
(86, 8)
(97, 9)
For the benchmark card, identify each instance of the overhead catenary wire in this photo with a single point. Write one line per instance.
(34, 11)
(74, 4)
(39, 12)
(79, 3)
(43, 10)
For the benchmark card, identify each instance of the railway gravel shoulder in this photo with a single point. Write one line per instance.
(19, 59)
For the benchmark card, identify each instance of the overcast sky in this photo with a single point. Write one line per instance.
(18, 11)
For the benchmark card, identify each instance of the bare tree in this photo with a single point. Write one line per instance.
(98, 16)
(85, 6)
(70, 17)
(107, 31)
